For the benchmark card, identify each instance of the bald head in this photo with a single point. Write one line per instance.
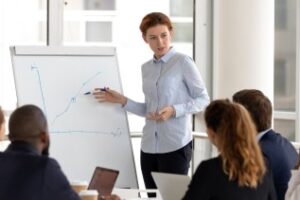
(27, 123)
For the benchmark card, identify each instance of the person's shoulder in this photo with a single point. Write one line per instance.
(54, 172)
(273, 137)
(22, 158)
(57, 185)
(182, 57)
(278, 149)
(183, 62)
(148, 65)
(51, 162)
(207, 171)
(276, 138)
(210, 164)
(211, 161)
(148, 62)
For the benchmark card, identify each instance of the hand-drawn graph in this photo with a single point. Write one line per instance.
(71, 103)
(74, 98)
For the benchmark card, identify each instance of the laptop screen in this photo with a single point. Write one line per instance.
(103, 180)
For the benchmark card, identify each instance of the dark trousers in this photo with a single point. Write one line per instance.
(177, 162)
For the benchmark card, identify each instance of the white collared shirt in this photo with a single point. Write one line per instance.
(261, 134)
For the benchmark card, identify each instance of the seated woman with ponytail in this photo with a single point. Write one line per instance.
(239, 172)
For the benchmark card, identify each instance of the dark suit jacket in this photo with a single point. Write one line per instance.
(211, 183)
(25, 175)
(282, 157)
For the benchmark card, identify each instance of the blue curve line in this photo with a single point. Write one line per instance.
(115, 133)
(73, 99)
(33, 67)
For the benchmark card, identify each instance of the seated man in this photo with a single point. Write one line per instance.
(278, 151)
(26, 171)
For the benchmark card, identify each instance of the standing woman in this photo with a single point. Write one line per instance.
(173, 90)
(239, 172)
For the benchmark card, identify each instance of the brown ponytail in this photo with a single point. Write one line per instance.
(241, 156)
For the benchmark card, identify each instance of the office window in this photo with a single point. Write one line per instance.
(98, 32)
(181, 13)
(90, 4)
(285, 55)
(280, 14)
(21, 23)
(99, 4)
(285, 66)
(183, 32)
(284, 85)
(181, 8)
(286, 128)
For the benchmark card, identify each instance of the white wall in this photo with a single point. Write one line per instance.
(243, 46)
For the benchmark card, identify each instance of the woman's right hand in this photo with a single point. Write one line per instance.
(108, 95)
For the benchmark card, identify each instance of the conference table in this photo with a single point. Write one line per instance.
(135, 194)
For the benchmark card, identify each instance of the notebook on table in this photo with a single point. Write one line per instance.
(171, 186)
(103, 180)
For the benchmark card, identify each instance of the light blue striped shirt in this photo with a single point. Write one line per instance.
(173, 80)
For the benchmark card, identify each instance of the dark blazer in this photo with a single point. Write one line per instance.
(26, 175)
(282, 157)
(211, 183)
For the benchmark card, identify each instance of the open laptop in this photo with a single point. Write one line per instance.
(103, 180)
(171, 186)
